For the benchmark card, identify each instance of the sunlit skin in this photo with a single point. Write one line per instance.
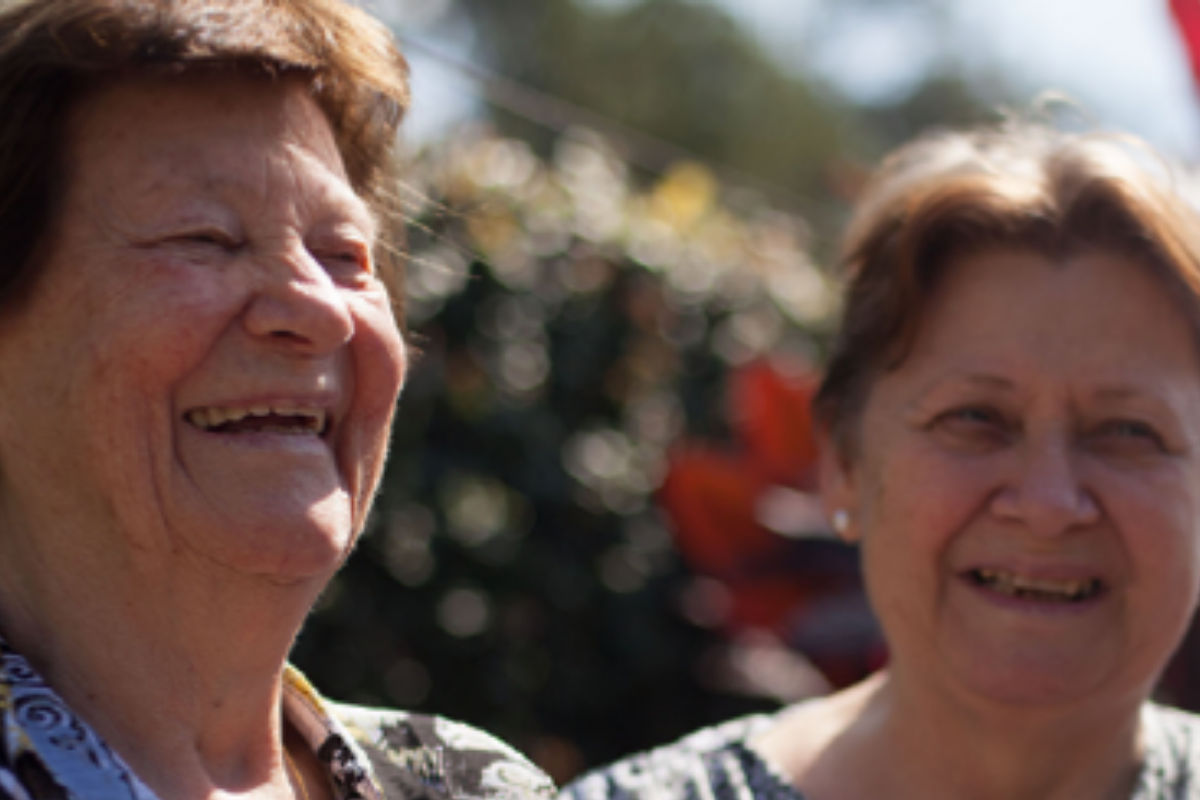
(1048, 423)
(1044, 427)
(208, 253)
(204, 257)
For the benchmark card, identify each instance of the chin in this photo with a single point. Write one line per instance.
(287, 547)
(1024, 690)
(1032, 681)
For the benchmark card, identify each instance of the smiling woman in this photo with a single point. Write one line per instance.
(201, 358)
(1011, 433)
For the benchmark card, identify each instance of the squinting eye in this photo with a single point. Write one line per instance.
(1132, 432)
(212, 238)
(1128, 428)
(972, 415)
(354, 260)
(971, 427)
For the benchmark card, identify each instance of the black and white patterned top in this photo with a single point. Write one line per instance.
(48, 753)
(717, 763)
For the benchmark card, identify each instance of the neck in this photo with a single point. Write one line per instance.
(940, 745)
(176, 662)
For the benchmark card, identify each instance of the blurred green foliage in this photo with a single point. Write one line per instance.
(571, 327)
(575, 318)
(680, 71)
(685, 72)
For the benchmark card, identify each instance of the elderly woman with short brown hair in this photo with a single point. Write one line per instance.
(200, 359)
(1011, 428)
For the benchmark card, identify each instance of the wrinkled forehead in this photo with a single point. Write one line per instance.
(257, 140)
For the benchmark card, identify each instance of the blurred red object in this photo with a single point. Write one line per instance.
(710, 496)
(746, 519)
(772, 412)
(1187, 18)
(714, 496)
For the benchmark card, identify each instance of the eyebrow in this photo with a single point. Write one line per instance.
(1117, 392)
(343, 204)
(1111, 392)
(330, 204)
(988, 381)
(1134, 393)
(975, 380)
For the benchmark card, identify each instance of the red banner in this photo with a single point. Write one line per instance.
(1187, 18)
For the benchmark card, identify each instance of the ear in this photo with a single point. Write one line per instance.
(836, 477)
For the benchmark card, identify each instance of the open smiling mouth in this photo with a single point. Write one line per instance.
(293, 420)
(1039, 589)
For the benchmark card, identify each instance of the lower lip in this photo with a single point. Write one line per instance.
(264, 440)
(1034, 606)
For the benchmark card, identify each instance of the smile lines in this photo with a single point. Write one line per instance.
(282, 418)
(1045, 589)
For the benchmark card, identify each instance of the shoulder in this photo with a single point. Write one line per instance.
(1172, 765)
(712, 762)
(440, 757)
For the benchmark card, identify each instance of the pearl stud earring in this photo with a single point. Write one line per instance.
(841, 520)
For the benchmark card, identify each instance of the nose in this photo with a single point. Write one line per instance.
(1045, 492)
(298, 305)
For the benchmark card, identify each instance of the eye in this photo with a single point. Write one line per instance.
(1128, 435)
(345, 260)
(971, 416)
(972, 426)
(208, 237)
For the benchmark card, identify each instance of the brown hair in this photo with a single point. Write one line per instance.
(1017, 185)
(52, 52)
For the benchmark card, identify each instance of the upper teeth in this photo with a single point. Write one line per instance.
(215, 416)
(1011, 583)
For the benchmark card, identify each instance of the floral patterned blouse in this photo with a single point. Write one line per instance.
(48, 753)
(718, 763)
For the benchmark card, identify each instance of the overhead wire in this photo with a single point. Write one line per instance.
(638, 148)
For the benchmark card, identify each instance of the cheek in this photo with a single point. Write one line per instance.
(1160, 541)
(1158, 518)
(126, 386)
(923, 494)
(913, 508)
(379, 362)
(163, 317)
(149, 348)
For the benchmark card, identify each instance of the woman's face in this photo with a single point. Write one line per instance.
(207, 365)
(1027, 485)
